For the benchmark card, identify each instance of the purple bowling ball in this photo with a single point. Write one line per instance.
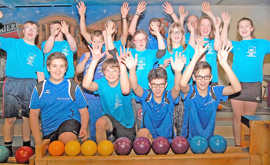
(122, 146)
(141, 146)
(161, 145)
(179, 145)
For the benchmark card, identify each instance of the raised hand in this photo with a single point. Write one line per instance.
(223, 53)
(178, 63)
(124, 10)
(206, 8)
(56, 31)
(166, 63)
(226, 17)
(200, 48)
(128, 59)
(64, 27)
(81, 8)
(96, 52)
(110, 27)
(167, 8)
(182, 12)
(154, 29)
(141, 7)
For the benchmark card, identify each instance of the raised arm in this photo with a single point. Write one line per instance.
(70, 39)
(133, 24)
(34, 125)
(191, 28)
(88, 77)
(80, 66)
(217, 42)
(155, 31)
(226, 18)
(50, 42)
(199, 50)
(124, 82)
(182, 14)
(177, 65)
(168, 9)
(223, 58)
(82, 9)
(131, 64)
(206, 8)
(124, 13)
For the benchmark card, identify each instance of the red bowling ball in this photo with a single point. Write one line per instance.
(179, 145)
(141, 146)
(122, 146)
(161, 145)
(23, 154)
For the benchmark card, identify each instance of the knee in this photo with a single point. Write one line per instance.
(144, 132)
(10, 121)
(101, 123)
(66, 137)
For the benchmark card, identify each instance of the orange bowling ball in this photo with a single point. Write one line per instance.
(220, 106)
(89, 148)
(56, 148)
(72, 148)
(105, 148)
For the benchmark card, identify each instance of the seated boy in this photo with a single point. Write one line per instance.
(113, 89)
(157, 103)
(63, 111)
(201, 100)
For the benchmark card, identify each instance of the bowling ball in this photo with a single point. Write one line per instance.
(141, 146)
(72, 148)
(198, 145)
(105, 148)
(179, 145)
(217, 144)
(4, 154)
(161, 145)
(23, 154)
(56, 148)
(122, 146)
(89, 148)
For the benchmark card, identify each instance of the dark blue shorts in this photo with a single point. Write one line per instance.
(17, 95)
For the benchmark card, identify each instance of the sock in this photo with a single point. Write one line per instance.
(27, 143)
(9, 147)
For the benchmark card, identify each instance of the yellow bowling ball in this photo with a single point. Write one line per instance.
(105, 148)
(72, 148)
(89, 148)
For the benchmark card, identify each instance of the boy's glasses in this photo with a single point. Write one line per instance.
(154, 85)
(200, 77)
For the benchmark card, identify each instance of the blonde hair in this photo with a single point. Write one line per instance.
(211, 35)
(169, 38)
(110, 63)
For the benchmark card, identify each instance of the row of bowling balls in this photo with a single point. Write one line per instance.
(22, 154)
(141, 146)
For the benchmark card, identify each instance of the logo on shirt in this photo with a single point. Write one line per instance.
(65, 51)
(209, 102)
(30, 60)
(141, 64)
(47, 91)
(118, 102)
(251, 51)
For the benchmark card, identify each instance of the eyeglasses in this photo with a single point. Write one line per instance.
(161, 85)
(200, 77)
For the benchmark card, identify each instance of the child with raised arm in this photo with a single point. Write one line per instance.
(113, 89)
(201, 100)
(248, 57)
(157, 102)
(57, 43)
(60, 104)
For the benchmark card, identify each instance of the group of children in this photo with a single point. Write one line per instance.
(157, 87)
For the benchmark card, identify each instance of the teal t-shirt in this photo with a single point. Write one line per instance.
(114, 103)
(211, 58)
(23, 59)
(63, 47)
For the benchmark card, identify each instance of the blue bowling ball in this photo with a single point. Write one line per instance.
(4, 154)
(217, 144)
(198, 144)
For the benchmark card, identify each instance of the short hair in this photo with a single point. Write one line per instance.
(97, 33)
(55, 22)
(202, 65)
(30, 22)
(251, 23)
(154, 20)
(157, 73)
(111, 62)
(56, 55)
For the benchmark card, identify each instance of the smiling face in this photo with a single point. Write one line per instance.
(30, 32)
(140, 41)
(57, 66)
(205, 27)
(245, 29)
(112, 74)
(158, 86)
(193, 20)
(202, 78)
(176, 34)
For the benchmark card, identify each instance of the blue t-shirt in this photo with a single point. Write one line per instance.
(158, 117)
(188, 53)
(200, 112)
(187, 37)
(248, 56)
(146, 61)
(211, 58)
(23, 59)
(63, 47)
(153, 42)
(114, 103)
(56, 105)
